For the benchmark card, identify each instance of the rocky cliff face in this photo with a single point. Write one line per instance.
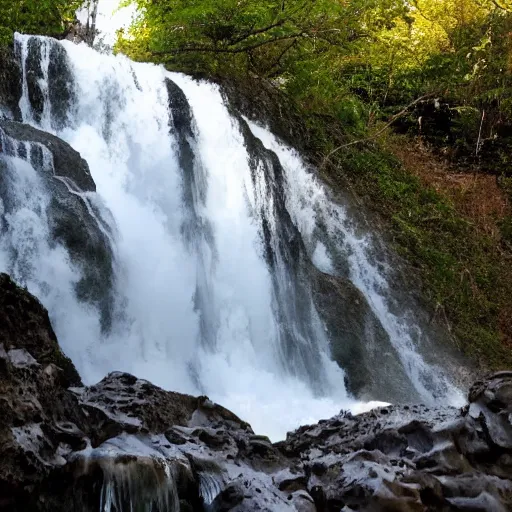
(56, 187)
(10, 84)
(125, 444)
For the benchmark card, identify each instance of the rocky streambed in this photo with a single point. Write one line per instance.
(125, 444)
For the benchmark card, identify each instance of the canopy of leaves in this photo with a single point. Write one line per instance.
(43, 17)
(348, 58)
(262, 31)
(303, 46)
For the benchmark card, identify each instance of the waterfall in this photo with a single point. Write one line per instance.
(212, 226)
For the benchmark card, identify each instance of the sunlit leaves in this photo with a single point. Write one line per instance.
(35, 16)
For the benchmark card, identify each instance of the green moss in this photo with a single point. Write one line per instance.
(464, 272)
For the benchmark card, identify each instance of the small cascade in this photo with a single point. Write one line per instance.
(126, 475)
(144, 488)
(205, 256)
(301, 336)
(210, 487)
(38, 188)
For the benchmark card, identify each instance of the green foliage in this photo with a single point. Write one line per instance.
(44, 17)
(464, 274)
(299, 44)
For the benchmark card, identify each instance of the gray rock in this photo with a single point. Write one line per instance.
(10, 84)
(128, 442)
(359, 343)
(73, 217)
(60, 82)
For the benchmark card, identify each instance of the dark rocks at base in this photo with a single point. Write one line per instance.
(129, 443)
(52, 429)
(492, 402)
(74, 218)
(38, 414)
(411, 458)
(25, 327)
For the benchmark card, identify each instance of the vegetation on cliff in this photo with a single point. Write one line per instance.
(359, 72)
(358, 61)
(41, 17)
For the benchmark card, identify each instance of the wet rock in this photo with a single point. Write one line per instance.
(128, 441)
(10, 84)
(60, 82)
(359, 343)
(138, 403)
(228, 499)
(175, 437)
(25, 329)
(66, 161)
(35, 405)
(74, 217)
(493, 399)
(60, 86)
(288, 261)
(181, 114)
(302, 502)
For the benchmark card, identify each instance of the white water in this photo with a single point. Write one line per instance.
(119, 124)
(308, 204)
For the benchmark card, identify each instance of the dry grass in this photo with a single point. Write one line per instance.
(479, 200)
(476, 196)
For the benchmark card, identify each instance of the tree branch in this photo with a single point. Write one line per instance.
(257, 32)
(210, 49)
(277, 61)
(375, 135)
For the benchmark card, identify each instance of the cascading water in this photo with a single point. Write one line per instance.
(211, 237)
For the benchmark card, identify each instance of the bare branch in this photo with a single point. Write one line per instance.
(211, 49)
(256, 32)
(376, 134)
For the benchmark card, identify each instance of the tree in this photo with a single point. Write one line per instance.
(255, 36)
(44, 17)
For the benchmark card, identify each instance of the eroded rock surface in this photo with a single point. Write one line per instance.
(125, 444)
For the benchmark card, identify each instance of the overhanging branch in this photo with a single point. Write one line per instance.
(243, 49)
